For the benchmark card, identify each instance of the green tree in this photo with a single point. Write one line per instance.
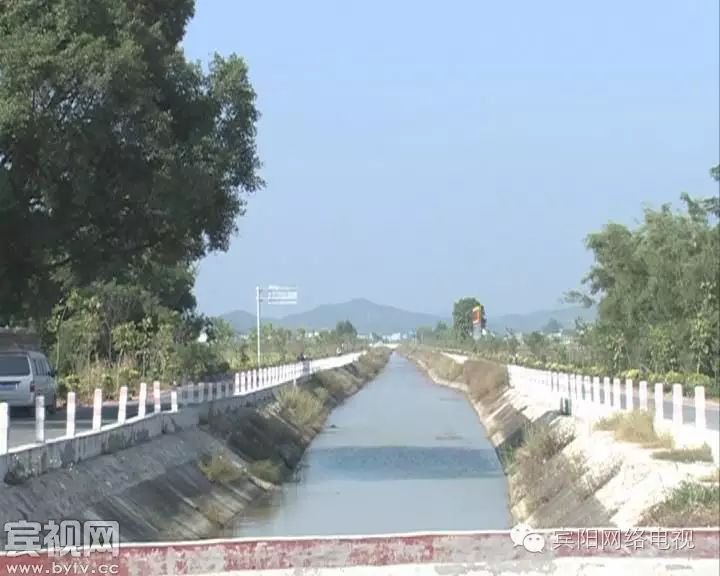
(552, 326)
(114, 149)
(462, 317)
(656, 287)
(345, 329)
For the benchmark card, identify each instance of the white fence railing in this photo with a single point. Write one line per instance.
(243, 384)
(592, 399)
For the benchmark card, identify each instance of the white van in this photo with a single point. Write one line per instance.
(25, 375)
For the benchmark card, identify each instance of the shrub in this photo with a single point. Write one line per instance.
(636, 426)
(484, 379)
(268, 470)
(219, 469)
(691, 504)
(540, 444)
(633, 374)
(300, 407)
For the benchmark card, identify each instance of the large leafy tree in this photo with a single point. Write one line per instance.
(462, 317)
(115, 151)
(657, 289)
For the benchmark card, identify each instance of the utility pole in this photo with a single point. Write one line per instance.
(257, 318)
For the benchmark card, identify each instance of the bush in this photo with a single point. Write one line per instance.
(484, 379)
(268, 470)
(636, 426)
(530, 464)
(300, 407)
(690, 505)
(632, 374)
(219, 469)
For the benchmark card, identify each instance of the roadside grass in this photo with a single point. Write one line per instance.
(446, 368)
(219, 470)
(692, 504)
(532, 477)
(485, 380)
(338, 383)
(268, 470)
(300, 407)
(373, 361)
(636, 427)
(712, 478)
(701, 454)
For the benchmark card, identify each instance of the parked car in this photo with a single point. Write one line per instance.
(24, 375)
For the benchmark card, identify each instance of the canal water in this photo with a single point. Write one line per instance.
(402, 455)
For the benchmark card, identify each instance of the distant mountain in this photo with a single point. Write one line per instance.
(369, 317)
(366, 316)
(241, 321)
(536, 321)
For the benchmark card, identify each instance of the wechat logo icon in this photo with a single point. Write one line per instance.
(523, 535)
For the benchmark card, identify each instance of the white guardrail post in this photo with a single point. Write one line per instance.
(173, 401)
(97, 410)
(4, 427)
(617, 392)
(659, 402)
(70, 415)
(236, 389)
(122, 405)
(677, 398)
(643, 395)
(40, 419)
(142, 400)
(629, 398)
(607, 396)
(596, 390)
(156, 397)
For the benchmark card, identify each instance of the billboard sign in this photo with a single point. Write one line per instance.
(477, 315)
(281, 295)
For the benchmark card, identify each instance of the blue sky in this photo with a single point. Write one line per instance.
(416, 152)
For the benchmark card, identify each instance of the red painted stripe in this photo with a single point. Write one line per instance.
(236, 554)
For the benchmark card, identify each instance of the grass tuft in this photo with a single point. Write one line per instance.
(268, 470)
(636, 426)
(530, 463)
(702, 454)
(300, 407)
(691, 504)
(218, 469)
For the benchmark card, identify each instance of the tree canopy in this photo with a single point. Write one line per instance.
(115, 151)
(462, 317)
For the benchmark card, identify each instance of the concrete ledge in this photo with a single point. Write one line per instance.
(23, 462)
(491, 552)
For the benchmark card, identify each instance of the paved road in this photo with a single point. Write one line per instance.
(22, 425)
